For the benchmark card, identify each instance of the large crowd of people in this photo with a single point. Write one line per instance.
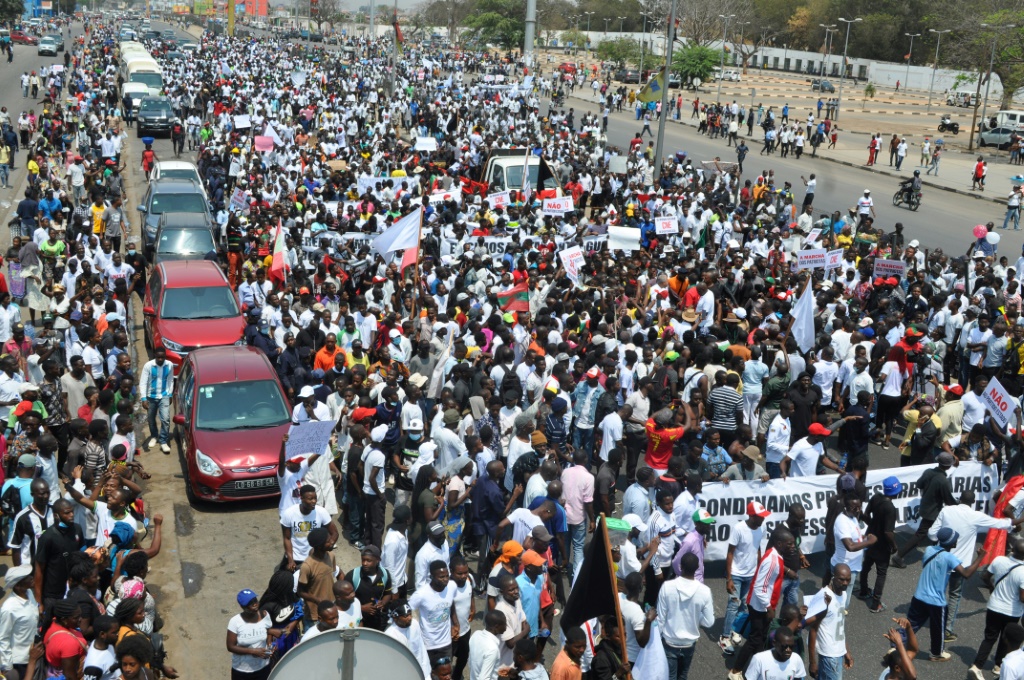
(495, 401)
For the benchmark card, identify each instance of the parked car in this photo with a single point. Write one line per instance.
(731, 75)
(567, 67)
(999, 137)
(230, 414)
(333, 40)
(189, 304)
(183, 236)
(628, 76)
(47, 46)
(154, 115)
(819, 85)
(316, 37)
(23, 38)
(170, 195)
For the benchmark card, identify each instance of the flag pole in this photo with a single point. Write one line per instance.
(416, 267)
(615, 591)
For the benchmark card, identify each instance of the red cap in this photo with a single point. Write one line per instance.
(303, 291)
(594, 372)
(818, 430)
(958, 390)
(22, 408)
(755, 509)
(892, 281)
(879, 281)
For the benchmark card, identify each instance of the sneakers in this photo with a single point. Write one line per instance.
(727, 647)
(975, 673)
(862, 596)
(735, 675)
(945, 656)
(995, 670)
(897, 562)
(951, 637)
(879, 609)
(359, 545)
(166, 448)
(151, 443)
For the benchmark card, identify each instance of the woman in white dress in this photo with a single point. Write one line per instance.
(32, 273)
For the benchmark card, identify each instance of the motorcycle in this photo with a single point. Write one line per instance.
(900, 198)
(947, 124)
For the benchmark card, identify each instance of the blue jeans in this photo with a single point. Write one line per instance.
(791, 591)
(354, 530)
(774, 470)
(1012, 214)
(583, 440)
(577, 535)
(161, 407)
(5, 172)
(830, 667)
(737, 602)
(679, 660)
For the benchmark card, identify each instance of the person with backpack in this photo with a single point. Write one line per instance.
(373, 588)
(178, 136)
(16, 493)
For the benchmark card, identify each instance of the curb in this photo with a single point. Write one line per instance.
(850, 164)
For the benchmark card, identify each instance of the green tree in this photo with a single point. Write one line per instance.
(573, 37)
(621, 51)
(11, 10)
(502, 22)
(695, 62)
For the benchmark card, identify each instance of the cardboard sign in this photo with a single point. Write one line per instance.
(811, 259)
(887, 268)
(812, 236)
(239, 201)
(573, 260)
(834, 259)
(499, 200)
(263, 143)
(623, 238)
(309, 437)
(664, 226)
(243, 121)
(999, 402)
(617, 165)
(558, 206)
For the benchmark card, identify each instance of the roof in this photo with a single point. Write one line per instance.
(184, 220)
(174, 185)
(231, 363)
(191, 274)
(176, 165)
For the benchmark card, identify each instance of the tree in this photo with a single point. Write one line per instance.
(620, 50)
(573, 38)
(11, 10)
(695, 62)
(449, 13)
(499, 21)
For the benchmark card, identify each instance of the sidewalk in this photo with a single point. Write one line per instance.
(956, 167)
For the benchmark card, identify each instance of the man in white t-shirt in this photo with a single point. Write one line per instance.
(290, 473)
(826, 624)
(850, 541)
(350, 610)
(740, 563)
(373, 487)
(296, 523)
(779, 662)
(802, 459)
(1006, 578)
(434, 605)
(611, 430)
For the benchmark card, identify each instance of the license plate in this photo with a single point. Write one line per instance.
(254, 483)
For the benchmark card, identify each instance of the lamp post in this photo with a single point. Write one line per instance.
(575, 45)
(621, 19)
(906, 81)
(589, 14)
(935, 66)
(842, 75)
(743, 62)
(643, 40)
(829, 30)
(785, 56)
(988, 81)
(669, 43)
(721, 67)
(606, 20)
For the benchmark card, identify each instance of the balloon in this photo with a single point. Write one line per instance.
(992, 237)
(980, 231)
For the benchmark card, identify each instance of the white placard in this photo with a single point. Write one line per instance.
(426, 144)
(887, 268)
(810, 259)
(243, 121)
(312, 436)
(834, 259)
(812, 236)
(499, 200)
(440, 197)
(239, 201)
(623, 238)
(999, 402)
(663, 226)
(572, 259)
(558, 206)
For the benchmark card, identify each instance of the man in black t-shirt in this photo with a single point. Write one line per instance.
(373, 588)
(794, 561)
(52, 554)
(880, 516)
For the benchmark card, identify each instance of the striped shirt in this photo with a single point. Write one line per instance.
(766, 586)
(156, 381)
(727, 403)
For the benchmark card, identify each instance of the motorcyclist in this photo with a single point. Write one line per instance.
(910, 186)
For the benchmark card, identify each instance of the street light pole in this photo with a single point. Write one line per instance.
(589, 14)
(910, 54)
(743, 61)
(842, 74)
(643, 43)
(621, 19)
(606, 20)
(988, 82)
(829, 30)
(721, 67)
(670, 35)
(935, 66)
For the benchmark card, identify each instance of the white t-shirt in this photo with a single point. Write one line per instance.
(893, 386)
(764, 666)
(848, 527)
(99, 662)
(1005, 599)
(253, 636)
(301, 525)
(832, 629)
(434, 610)
(105, 522)
(373, 457)
(464, 603)
(633, 620)
(974, 410)
(747, 541)
(805, 458)
(611, 431)
(1013, 666)
(289, 483)
(523, 521)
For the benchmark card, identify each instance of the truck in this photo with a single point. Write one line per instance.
(503, 171)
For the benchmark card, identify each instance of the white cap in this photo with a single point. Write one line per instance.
(415, 424)
(306, 391)
(378, 433)
(634, 521)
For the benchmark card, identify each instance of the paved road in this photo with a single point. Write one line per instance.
(211, 552)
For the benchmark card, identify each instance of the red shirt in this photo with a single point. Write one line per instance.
(660, 443)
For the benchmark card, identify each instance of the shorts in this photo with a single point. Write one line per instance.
(765, 421)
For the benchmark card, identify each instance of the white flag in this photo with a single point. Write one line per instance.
(437, 377)
(803, 320)
(405, 233)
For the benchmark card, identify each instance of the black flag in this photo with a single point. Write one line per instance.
(593, 594)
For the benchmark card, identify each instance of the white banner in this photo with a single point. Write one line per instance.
(309, 437)
(595, 243)
(811, 259)
(623, 238)
(496, 245)
(499, 200)
(426, 144)
(999, 402)
(558, 206)
(727, 503)
(572, 260)
(887, 268)
(455, 195)
(365, 184)
(243, 121)
(664, 226)
(834, 259)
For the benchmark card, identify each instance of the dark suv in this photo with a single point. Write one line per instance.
(154, 115)
(170, 196)
(184, 236)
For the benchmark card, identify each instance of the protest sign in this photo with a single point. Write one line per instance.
(999, 402)
(239, 201)
(558, 206)
(887, 268)
(617, 165)
(496, 245)
(243, 121)
(572, 259)
(310, 437)
(263, 143)
(623, 238)
(498, 200)
(442, 196)
(812, 236)
(592, 244)
(811, 259)
(834, 259)
(426, 144)
(664, 226)
(728, 502)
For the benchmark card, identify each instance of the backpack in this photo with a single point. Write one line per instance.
(527, 463)
(10, 500)
(178, 130)
(357, 577)
(510, 383)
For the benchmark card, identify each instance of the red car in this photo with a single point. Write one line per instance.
(230, 414)
(567, 67)
(189, 305)
(23, 38)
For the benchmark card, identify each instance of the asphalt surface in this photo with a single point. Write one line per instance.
(211, 552)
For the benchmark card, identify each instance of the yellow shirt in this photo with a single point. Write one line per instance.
(98, 226)
(33, 168)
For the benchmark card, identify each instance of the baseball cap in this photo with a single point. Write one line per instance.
(818, 430)
(634, 521)
(371, 550)
(435, 529)
(671, 356)
(306, 391)
(945, 459)
(245, 597)
(594, 372)
(378, 433)
(755, 509)
(415, 424)
(704, 517)
(540, 533)
(402, 514)
(954, 389)
(532, 559)
(451, 416)
(891, 486)
(26, 460)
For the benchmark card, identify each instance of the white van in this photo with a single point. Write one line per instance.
(963, 98)
(148, 72)
(1013, 120)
